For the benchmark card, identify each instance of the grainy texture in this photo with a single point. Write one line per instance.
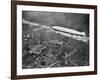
(42, 47)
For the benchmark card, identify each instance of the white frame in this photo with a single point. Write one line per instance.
(21, 71)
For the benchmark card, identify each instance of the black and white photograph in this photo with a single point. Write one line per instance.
(52, 40)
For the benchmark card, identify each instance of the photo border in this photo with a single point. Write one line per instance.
(14, 39)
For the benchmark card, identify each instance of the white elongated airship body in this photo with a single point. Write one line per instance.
(67, 30)
(77, 35)
(59, 28)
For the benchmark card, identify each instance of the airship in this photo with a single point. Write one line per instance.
(67, 30)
